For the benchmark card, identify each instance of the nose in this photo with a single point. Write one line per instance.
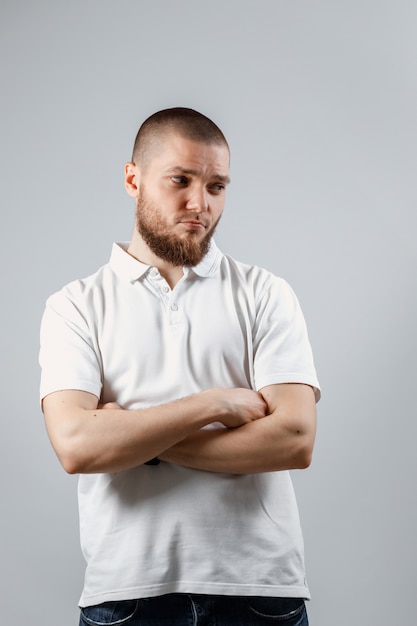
(197, 199)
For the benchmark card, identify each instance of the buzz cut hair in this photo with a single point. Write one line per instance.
(182, 121)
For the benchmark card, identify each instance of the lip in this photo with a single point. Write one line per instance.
(193, 224)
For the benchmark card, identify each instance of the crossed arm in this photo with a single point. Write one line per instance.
(270, 430)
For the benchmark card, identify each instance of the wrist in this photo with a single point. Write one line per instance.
(212, 407)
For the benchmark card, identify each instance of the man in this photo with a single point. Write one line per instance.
(180, 385)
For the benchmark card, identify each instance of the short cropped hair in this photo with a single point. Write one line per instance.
(188, 123)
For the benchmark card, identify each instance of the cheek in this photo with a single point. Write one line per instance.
(217, 208)
(169, 202)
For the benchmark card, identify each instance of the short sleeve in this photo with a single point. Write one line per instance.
(282, 350)
(68, 355)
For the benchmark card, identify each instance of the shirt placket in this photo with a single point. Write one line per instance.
(168, 297)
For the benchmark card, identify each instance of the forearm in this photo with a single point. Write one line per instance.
(256, 447)
(282, 440)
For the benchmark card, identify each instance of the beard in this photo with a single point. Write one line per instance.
(157, 234)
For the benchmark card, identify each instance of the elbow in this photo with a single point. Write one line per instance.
(70, 460)
(72, 465)
(304, 437)
(77, 457)
(68, 449)
(304, 458)
(303, 453)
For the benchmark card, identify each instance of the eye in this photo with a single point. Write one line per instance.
(179, 180)
(217, 187)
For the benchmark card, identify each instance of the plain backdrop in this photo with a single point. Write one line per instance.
(318, 100)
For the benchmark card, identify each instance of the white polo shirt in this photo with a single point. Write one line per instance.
(125, 336)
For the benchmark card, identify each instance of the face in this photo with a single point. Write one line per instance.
(180, 198)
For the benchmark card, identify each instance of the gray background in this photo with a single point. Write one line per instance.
(318, 101)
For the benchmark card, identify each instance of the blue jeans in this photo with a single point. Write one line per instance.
(197, 610)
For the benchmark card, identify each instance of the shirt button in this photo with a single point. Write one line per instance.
(153, 271)
(165, 289)
(174, 307)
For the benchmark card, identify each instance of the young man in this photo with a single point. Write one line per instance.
(180, 385)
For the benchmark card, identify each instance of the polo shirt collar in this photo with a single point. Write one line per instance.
(210, 263)
(126, 266)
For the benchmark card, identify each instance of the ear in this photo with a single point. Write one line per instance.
(132, 179)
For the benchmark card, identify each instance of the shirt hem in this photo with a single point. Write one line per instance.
(219, 589)
(78, 385)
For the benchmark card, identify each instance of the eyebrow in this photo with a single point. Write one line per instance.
(183, 170)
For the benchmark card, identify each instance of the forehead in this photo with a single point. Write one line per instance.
(175, 151)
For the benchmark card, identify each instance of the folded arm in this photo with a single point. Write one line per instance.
(282, 440)
(88, 438)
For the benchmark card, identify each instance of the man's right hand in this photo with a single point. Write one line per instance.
(238, 406)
